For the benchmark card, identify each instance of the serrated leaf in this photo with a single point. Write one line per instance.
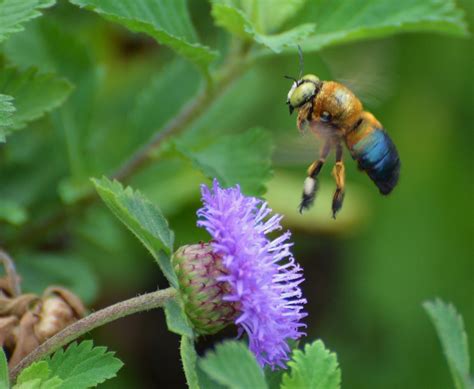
(233, 365)
(6, 111)
(315, 368)
(37, 376)
(38, 271)
(167, 21)
(365, 19)
(12, 212)
(142, 217)
(238, 23)
(189, 361)
(34, 94)
(243, 159)
(4, 379)
(450, 329)
(176, 319)
(83, 365)
(14, 13)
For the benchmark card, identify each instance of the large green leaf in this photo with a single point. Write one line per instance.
(365, 19)
(243, 159)
(234, 366)
(315, 368)
(168, 21)
(13, 13)
(450, 328)
(238, 22)
(142, 217)
(34, 94)
(83, 365)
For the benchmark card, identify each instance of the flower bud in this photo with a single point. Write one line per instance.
(198, 269)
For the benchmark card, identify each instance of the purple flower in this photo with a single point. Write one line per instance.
(262, 273)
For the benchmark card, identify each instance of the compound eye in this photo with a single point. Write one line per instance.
(325, 116)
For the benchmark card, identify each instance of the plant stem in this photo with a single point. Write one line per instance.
(141, 303)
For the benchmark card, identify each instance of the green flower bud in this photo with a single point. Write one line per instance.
(198, 269)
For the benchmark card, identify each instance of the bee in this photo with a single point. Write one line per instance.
(336, 116)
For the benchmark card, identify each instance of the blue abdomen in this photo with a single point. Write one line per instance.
(377, 156)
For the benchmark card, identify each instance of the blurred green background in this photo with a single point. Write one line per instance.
(367, 273)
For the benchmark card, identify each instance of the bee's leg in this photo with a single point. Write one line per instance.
(339, 174)
(311, 182)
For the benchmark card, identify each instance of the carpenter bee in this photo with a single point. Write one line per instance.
(336, 116)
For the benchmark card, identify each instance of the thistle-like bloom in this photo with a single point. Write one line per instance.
(262, 273)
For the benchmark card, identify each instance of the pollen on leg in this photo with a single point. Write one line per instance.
(309, 186)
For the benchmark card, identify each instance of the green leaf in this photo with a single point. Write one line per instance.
(83, 365)
(315, 368)
(365, 19)
(38, 271)
(233, 365)
(450, 328)
(176, 319)
(142, 217)
(4, 379)
(189, 361)
(12, 212)
(243, 159)
(167, 21)
(6, 112)
(14, 13)
(270, 15)
(34, 94)
(237, 23)
(37, 376)
(56, 48)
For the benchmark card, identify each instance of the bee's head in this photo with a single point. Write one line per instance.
(302, 91)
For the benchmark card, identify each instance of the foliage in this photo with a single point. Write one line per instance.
(80, 366)
(450, 328)
(95, 93)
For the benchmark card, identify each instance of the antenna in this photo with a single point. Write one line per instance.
(300, 53)
(290, 78)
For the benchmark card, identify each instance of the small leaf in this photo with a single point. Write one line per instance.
(243, 159)
(6, 111)
(233, 365)
(315, 368)
(450, 328)
(34, 94)
(37, 376)
(14, 13)
(38, 370)
(4, 380)
(189, 361)
(365, 19)
(12, 212)
(176, 319)
(83, 365)
(238, 23)
(142, 217)
(167, 21)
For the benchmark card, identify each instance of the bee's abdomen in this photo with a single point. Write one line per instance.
(378, 157)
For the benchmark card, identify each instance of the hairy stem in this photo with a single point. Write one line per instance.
(142, 303)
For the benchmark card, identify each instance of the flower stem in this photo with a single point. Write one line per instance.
(141, 303)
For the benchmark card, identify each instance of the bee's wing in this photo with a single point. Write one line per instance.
(367, 70)
(296, 149)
